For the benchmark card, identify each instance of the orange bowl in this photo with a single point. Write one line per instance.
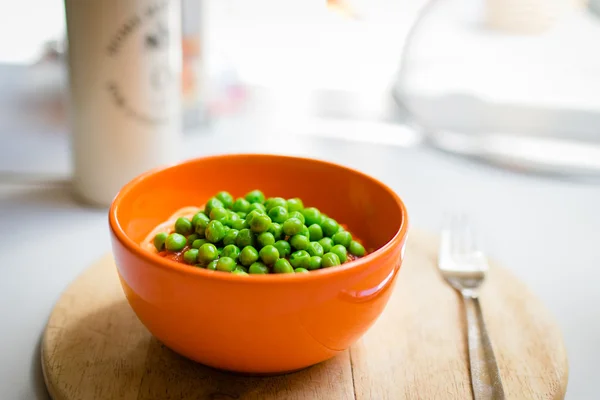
(258, 324)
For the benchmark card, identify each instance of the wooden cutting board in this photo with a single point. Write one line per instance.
(94, 346)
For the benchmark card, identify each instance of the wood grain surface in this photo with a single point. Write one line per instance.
(94, 347)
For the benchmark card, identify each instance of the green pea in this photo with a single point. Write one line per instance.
(248, 256)
(225, 264)
(301, 270)
(219, 214)
(269, 254)
(260, 223)
(299, 242)
(297, 214)
(239, 224)
(340, 251)
(292, 226)
(327, 244)
(323, 219)
(212, 265)
(241, 205)
(356, 249)
(175, 242)
(282, 266)
(315, 249)
(252, 214)
(304, 232)
(314, 263)
(215, 231)
(159, 240)
(183, 226)
(192, 237)
(239, 271)
(283, 247)
(312, 215)
(315, 232)
(278, 214)
(276, 202)
(231, 219)
(330, 260)
(198, 216)
(242, 214)
(300, 259)
(265, 239)
(190, 256)
(201, 223)
(225, 198)
(207, 253)
(245, 238)
(276, 230)
(230, 237)
(231, 251)
(213, 202)
(258, 207)
(198, 243)
(258, 268)
(330, 227)
(255, 196)
(343, 238)
(294, 204)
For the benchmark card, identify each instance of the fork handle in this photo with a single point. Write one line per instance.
(485, 376)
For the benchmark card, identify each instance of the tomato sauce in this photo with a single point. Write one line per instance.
(178, 256)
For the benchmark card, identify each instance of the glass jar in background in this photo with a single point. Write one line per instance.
(595, 6)
(194, 71)
(211, 87)
(514, 82)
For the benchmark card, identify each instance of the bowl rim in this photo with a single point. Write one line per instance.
(174, 266)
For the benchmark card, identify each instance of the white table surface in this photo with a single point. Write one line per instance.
(544, 230)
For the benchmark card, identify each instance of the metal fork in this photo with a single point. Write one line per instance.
(464, 267)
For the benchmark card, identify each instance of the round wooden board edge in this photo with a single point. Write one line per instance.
(102, 260)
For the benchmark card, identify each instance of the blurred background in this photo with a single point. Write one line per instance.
(512, 82)
(307, 59)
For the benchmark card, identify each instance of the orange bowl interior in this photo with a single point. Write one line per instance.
(338, 304)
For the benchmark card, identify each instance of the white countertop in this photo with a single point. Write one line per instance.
(544, 230)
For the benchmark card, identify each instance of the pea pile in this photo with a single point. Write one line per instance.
(254, 235)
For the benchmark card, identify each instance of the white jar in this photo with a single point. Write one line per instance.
(124, 62)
